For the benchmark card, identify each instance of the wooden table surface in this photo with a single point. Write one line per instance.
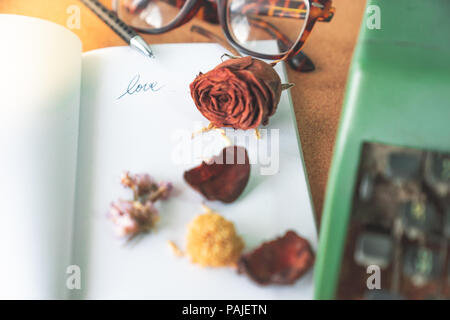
(317, 96)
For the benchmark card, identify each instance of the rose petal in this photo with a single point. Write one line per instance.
(280, 261)
(224, 178)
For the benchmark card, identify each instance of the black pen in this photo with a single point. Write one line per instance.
(118, 26)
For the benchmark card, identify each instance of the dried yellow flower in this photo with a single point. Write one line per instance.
(212, 241)
(176, 251)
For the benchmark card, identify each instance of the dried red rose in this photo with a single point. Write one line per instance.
(240, 93)
(224, 177)
(280, 261)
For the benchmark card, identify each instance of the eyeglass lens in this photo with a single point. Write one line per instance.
(261, 26)
(267, 26)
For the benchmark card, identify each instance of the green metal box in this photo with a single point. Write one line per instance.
(398, 94)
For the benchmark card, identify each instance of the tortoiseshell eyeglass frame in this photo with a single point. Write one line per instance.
(215, 11)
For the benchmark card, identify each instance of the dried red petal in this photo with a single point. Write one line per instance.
(280, 261)
(224, 177)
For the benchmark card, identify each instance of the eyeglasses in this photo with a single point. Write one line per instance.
(266, 29)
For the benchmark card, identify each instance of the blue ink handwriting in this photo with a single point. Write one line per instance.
(136, 86)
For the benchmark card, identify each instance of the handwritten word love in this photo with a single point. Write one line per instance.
(136, 86)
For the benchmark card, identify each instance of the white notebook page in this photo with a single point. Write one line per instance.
(140, 132)
(40, 72)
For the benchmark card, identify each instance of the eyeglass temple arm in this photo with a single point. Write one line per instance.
(300, 62)
(259, 23)
(214, 37)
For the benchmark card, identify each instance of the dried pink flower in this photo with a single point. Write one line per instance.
(166, 189)
(133, 217)
(141, 184)
(139, 215)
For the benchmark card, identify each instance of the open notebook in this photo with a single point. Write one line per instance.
(68, 129)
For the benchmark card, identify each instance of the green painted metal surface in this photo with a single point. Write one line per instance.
(398, 93)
